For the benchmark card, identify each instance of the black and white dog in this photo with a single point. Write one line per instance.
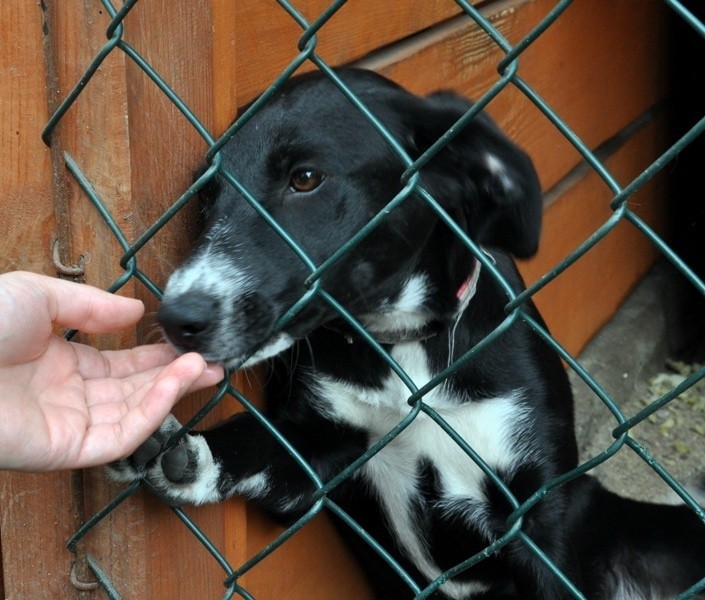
(322, 172)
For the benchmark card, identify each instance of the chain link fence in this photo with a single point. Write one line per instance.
(509, 75)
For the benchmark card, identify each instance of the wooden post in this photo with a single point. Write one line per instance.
(37, 512)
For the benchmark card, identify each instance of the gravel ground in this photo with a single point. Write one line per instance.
(628, 358)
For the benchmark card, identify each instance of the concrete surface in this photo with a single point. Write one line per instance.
(628, 358)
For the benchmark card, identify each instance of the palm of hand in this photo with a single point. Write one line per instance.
(80, 405)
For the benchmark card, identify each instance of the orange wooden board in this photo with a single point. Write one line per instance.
(596, 82)
(37, 513)
(37, 516)
(26, 208)
(267, 37)
(583, 298)
(311, 564)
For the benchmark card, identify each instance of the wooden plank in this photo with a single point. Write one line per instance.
(36, 518)
(165, 150)
(582, 299)
(235, 526)
(35, 562)
(95, 132)
(590, 66)
(311, 564)
(25, 170)
(267, 36)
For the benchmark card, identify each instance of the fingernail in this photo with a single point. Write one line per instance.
(214, 369)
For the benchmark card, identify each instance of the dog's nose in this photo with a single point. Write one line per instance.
(187, 319)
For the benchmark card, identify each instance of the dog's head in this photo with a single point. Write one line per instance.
(322, 171)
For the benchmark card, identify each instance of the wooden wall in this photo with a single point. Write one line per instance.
(593, 66)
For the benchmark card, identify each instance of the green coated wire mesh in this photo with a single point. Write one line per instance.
(509, 75)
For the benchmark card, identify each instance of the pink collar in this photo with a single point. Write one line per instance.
(468, 288)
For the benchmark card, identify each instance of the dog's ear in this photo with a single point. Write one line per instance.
(488, 183)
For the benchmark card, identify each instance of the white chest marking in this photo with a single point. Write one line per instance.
(406, 312)
(488, 426)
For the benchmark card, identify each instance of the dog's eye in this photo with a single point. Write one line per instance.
(305, 180)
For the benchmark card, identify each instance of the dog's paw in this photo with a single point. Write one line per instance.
(186, 473)
(134, 467)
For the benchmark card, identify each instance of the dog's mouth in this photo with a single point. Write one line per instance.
(234, 333)
(276, 345)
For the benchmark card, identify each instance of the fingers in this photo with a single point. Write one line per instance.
(211, 375)
(89, 309)
(116, 431)
(124, 393)
(94, 364)
(191, 373)
(188, 373)
(70, 304)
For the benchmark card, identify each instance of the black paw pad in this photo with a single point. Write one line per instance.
(149, 449)
(175, 464)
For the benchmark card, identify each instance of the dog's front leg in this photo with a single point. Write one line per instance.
(238, 457)
(185, 473)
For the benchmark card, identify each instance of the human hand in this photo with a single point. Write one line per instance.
(66, 405)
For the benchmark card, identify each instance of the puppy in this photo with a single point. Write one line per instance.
(461, 412)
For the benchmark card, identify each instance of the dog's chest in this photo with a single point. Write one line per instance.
(490, 427)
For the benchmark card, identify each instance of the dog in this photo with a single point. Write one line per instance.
(322, 171)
